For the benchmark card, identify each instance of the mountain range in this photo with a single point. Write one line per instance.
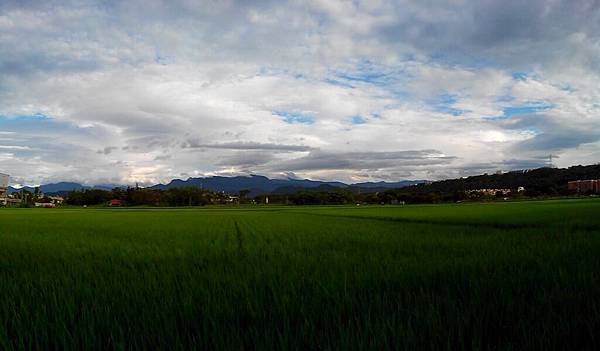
(539, 181)
(255, 183)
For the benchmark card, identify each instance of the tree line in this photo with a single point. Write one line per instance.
(193, 196)
(188, 196)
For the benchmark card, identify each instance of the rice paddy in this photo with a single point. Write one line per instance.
(502, 276)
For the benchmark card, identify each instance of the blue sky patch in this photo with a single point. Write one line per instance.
(529, 108)
(392, 79)
(365, 71)
(295, 117)
(365, 77)
(33, 117)
(339, 83)
(444, 103)
(358, 120)
(519, 75)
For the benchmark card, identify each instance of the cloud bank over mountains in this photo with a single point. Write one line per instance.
(147, 91)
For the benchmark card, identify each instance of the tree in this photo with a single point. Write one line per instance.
(243, 194)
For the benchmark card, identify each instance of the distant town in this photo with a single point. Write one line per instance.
(254, 189)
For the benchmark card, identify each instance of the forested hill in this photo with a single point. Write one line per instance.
(541, 181)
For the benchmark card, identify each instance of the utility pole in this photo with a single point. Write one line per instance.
(550, 157)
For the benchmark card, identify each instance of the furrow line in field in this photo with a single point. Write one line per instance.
(239, 237)
(508, 226)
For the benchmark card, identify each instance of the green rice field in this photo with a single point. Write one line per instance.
(495, 276)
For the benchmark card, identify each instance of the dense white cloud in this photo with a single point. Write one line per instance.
(144, 91)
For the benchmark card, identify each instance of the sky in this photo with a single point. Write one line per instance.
(146, 91)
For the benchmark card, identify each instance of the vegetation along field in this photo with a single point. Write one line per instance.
(502, 276)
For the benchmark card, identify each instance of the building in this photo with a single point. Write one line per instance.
(44, 204)
(3, 188)
(12, 201)
(232, 199)
(488, 192)
(49, 201)
(57, 200)
(115, 203)
(584, 186)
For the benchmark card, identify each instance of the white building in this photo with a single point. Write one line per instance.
(3, 188)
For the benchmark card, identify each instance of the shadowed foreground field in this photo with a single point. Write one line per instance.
(506, 276)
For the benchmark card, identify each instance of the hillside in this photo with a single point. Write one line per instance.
(541, 181)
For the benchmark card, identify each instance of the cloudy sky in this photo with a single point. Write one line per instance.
(146, 91)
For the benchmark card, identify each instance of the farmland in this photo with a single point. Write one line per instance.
(522, 275)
